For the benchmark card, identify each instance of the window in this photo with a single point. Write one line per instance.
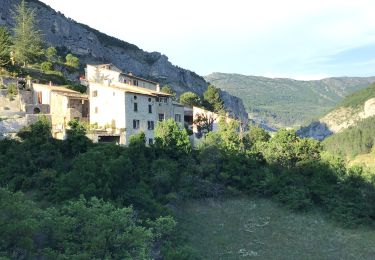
(135, 107)
(150, 108)
(149, 99)
(135, 82)
(150, 125)
(96, 110)
(135, 97)
(177, 117)
(135, 124)
(150, 141)
(114, 94)
(161, 117)
(94, 93)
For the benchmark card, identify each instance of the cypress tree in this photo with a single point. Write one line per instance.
(27, 40)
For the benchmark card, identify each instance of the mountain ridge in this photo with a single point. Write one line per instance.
(93, 46)
(284, 102)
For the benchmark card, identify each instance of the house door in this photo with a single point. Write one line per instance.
(40, 97)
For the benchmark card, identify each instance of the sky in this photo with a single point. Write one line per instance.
(298, 39)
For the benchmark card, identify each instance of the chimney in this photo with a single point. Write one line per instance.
(157, 88)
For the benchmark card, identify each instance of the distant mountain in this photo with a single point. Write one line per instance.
(349, 113)
(282, 102)
(95, 47)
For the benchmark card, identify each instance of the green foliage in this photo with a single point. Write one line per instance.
(190, 99)
(212, 99)
(51, 54)
(171, 138)
(72, 61)
(358, 98)
(64, 176)
(77, 87)
(353, 140)
(12, 91)
(5, 44)
(286, 149)
(82, 229)
(46, 66)
(283, 102)
(27, 40)
(168, 90)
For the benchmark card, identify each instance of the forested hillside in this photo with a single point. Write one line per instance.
(358, 139)
(281, 102)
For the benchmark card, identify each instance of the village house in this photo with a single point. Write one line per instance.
(62, 104)
(122, 105)
(201, 121)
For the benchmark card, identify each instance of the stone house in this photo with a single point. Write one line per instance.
(62, 104)
(122, 105)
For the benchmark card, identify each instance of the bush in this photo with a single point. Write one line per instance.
(46, 66)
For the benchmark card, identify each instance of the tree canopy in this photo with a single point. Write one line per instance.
(27, 39)
(190, 99)
(212, 99)
(5, 45)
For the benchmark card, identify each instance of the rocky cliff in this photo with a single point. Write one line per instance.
(95, 47)
(354, 108)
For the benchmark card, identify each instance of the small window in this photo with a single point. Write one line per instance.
(135, 107)
(177, 117)
(161, 117)
(96, 110)
(135, 124)
(150, 108)
(135, 97)
(150, 141)
(150, 125)
(135, 82)
(94, 93)
(149, 99)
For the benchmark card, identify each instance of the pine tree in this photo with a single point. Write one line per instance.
(5, 44)
(27, 41)
(212, 99)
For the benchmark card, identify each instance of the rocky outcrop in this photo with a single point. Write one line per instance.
(338, 120)
(95, 47)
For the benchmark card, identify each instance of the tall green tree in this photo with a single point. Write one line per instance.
(5, 44)
(27, 40)
(212, 99)
(190, 99)
(171, 138)
(51, 54)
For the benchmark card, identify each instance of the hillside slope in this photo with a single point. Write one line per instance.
(351, 111)
(282, 102)
(95, 47)
(246, 228)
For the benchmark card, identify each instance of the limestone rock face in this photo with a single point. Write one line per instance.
(95, 47)
(338, 120)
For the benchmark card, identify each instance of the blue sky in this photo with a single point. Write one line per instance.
(290, 38)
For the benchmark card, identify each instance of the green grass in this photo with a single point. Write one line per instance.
(245, 228)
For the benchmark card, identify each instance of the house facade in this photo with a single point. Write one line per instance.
(120, 108)
(62, 104)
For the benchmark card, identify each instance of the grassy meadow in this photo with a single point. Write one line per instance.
(246, 228)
